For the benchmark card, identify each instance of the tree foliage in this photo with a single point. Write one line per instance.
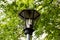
(11, 25)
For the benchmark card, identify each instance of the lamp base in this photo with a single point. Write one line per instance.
(28, 31)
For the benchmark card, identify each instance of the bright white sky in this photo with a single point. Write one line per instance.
(10, 1)
(41, 37)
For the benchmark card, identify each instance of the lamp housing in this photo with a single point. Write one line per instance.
(29, 15)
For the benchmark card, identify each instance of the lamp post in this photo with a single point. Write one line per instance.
(29, 15)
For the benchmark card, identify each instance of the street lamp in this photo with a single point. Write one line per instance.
(29, 15)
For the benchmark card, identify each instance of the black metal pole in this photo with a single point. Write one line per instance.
(28, 36)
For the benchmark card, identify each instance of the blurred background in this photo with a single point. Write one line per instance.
(46, 28)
